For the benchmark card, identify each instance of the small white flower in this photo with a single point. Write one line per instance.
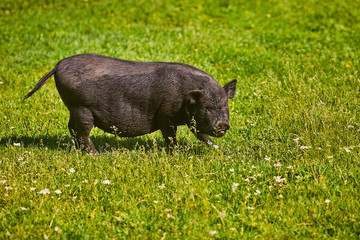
(327, 201)
(252, 124)
(280, 196)
(67, 185)
(8, 188)
(305, 147)
(46, 236)
(267, 158)
(231, 170)
(250, 208)
(162, 186)
(20, 158)
(95, 182)
(350, 126)
(289, 167)
(347, 150)
(247, 180)
(214, 232)
(32, 188)
(75, 197)
(72, 170)
(22, 208)
(279, 179)
(257, 192)
(277, 165)
(58, 191)
(170, 216)
(107, 182)
(17, 144)
(234, 186)
(44, 191)
(85, 181)
(56, 229)
(329, 157)
(222, 214)
(156, 202)
(3, 181)
(232, 229)
(296, 139)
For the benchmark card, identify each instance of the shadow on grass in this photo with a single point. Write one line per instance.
(102, 143)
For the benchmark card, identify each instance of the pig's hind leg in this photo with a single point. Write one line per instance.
(80, 125)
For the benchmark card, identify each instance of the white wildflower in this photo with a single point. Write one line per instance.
(246, 180)
(267, 158)
(74, 197)
(107, 182)
(22, 208)
(250, 208)
(8, 188)
(156, 202)
(72, 170)
(279, 179)
(170, 216)
(305, 147)
(347, 149)
(56, 229)
(67, 185)
(58, 191)
(44, 191)
(222, 214)
(277, 165)
(3, 181)
(17, 144)
(234, 186)
(296, 139)
(327, 201)
(214, 232)
(32, 188)
(232, 229)
(231, 170)
(329, 157)
(257, 192)
(162, 186)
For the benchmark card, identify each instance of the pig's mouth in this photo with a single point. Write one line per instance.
(220, 132)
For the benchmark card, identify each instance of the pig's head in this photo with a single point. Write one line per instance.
(209, 108)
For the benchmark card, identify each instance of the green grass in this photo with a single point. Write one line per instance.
(288, 168)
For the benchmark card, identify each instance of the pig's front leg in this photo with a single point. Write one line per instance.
(169, 134)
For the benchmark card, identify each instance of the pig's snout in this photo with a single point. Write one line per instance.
(221, 128)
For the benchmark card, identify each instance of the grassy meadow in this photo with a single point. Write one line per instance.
(288, 168)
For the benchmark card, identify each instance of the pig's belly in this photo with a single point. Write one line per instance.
(125, 124)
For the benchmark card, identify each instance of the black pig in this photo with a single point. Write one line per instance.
(135, 98)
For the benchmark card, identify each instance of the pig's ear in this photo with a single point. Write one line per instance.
(230, 88)
(195, 96)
